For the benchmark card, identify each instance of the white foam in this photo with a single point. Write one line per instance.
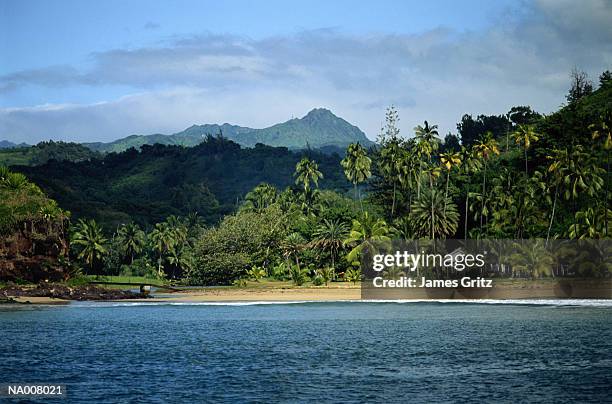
(525, 302)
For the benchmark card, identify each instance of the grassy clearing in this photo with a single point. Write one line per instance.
(124, 279)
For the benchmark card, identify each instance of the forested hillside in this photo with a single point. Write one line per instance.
(45, 151)
(33, 232)
(148, 185)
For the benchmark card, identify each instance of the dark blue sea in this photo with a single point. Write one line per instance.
(313, 352)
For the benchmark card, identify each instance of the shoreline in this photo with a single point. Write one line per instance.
(506, 290)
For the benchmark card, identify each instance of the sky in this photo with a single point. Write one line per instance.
(97, 71)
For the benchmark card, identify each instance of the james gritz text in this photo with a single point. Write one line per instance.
(406, 282)
(411, 261)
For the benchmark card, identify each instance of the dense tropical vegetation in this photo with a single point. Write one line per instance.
(33, 242)
(44, 152)
(219, 214)
(145, 186)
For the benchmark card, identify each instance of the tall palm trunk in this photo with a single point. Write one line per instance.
(446, 193)
(358, 196)
(297, 261)
(432, 206)
(419, 180)
(467, 204)
(552, 215)
(526, 171)
(484, 191)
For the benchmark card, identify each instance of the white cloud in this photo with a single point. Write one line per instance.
(437, 75)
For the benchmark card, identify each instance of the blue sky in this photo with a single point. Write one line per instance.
(88, 71)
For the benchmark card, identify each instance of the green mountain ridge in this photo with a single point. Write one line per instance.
(149, 184)
(45, 151)
(319, 128)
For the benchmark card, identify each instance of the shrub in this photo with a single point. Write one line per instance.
(280, 271)
(327, 274)
(318, 280)
(352, 275)
(297, 275)
(218, 269)
(246, 239)
(256, 273)
(140, 267)
(240, 283)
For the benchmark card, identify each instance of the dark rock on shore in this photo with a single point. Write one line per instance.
(60, 291)
(33, 252)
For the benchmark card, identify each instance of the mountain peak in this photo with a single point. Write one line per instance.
(318, 113)
(318, 128)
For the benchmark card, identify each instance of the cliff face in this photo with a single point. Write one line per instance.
(33, 252)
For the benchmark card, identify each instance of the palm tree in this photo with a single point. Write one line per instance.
(163, 240)
(532, 258)
(602, 135)
(559, 160)
(292, 245)
(363, 233)
(88, 235)
(409, 171)
(428, 137)
(306, 172)
(194, 224)
(390, 163)
(590, 223)
(485, 148)
(434, 215)
(580, 174)
(449, 161)
(331, 235)
(526, 135)
(525, 210)
(357, 166)
(471, 164)
(132, 240)
(427, 144)
(262, 196)
(180, 260)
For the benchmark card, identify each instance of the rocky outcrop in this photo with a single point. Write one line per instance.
(34, 252)
(61, 291)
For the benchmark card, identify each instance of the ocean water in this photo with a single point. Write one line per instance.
(538, 351)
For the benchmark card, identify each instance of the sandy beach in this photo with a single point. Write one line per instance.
(520, 289)
(517, 289)
(268, 294)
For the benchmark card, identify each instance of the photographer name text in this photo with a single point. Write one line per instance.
(422, 282)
